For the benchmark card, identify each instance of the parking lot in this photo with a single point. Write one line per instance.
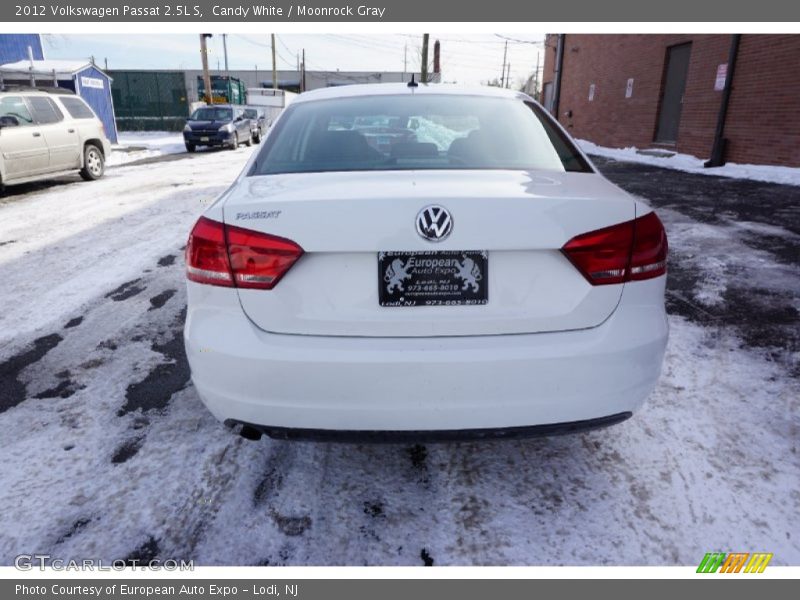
(108, 452)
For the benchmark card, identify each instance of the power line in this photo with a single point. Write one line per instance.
(261, 45)
(482, 54)
(282, 43)
(362, 43)
(518, 41)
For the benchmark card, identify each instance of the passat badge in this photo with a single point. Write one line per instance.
(434, 223)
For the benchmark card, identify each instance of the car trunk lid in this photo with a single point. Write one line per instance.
(345, 222)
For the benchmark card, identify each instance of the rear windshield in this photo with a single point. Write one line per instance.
(77, 108)
(405, 132)
(212, 114)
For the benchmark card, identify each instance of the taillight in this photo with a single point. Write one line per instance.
(259, 260)
(649, 256)
(206, 254)
(633, 250)
(228, 256)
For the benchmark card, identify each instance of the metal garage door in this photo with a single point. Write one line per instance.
(669, 116)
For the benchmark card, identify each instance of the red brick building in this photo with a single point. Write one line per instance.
(667, 91)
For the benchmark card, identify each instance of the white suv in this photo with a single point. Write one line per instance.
(49, 132)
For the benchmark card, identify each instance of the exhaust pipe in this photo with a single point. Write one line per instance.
(250, 433)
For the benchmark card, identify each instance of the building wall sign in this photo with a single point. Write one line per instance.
(722, 75)
(629, 88)
(92, 82)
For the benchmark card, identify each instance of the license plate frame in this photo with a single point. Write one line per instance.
(433, 278)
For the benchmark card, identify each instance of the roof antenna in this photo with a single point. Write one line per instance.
(412, 83)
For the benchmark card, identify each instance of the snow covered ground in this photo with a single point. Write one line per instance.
(692, 164)
(108, 452)
(136, 145)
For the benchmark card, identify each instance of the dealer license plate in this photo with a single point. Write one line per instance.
(433, 278)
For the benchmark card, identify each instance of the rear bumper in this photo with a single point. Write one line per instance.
(429, 436)
(419, 386)
(216, 138)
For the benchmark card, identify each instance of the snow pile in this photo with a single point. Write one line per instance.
(136, 145)
(692, 164)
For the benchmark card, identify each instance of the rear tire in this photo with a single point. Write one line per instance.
(191, 147)
(94, 165)
(257, 138)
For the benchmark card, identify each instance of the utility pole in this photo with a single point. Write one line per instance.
(536, 78)
(437, 67)
(274, 67)
(503, 72)
(405, 61)
(508, 76)
(227, 73)
(303, 73)
(423, 68)
(209, 96)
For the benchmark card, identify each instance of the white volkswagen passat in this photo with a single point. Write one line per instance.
(423, 262)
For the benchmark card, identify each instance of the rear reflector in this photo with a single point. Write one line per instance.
(227, 256)
(633, 250)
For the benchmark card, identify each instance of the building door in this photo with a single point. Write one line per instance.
(669, 116)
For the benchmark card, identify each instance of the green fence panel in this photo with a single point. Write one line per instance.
(149, 100)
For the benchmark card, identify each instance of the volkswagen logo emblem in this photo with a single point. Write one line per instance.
(434, 223)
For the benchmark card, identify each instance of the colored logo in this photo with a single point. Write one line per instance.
(734, 562)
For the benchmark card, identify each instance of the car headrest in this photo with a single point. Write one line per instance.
(339, 145)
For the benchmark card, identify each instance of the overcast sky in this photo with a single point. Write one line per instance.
(467, 58)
